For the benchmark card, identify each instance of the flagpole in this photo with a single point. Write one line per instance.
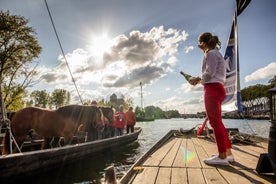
(239, 97)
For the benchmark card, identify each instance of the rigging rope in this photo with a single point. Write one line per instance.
(254, 133)
(62, 50)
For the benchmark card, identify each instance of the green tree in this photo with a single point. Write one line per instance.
(139, 112)
(154, 112)
(128, 103)
(255, 98)
(18, 48)
(172, 114)
(272, 82)
(59, 97)
(13, 96)
(39, 98)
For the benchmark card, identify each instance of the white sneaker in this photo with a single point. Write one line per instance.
(230, 158)
(215, 160)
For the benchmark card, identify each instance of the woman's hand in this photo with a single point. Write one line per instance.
(194, 80)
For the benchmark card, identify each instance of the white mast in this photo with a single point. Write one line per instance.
(141, 96)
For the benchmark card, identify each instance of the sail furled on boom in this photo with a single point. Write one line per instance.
(232, 84)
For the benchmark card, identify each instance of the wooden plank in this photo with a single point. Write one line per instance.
(195, 176)
(250, 149)
(209, 146)
(233, 175)
(254, 177)
(179, 160)
(201, 153)
(191, 157)
(260, 147)
(244, 159)
(164, 175)
(179, 176)
(213, 176)
(156, 158)
(170, 157)
(147, 176)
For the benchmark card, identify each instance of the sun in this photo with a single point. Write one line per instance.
(100, 45)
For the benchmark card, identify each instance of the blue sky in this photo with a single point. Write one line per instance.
(112, 46)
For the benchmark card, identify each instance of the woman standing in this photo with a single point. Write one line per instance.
(213, 78)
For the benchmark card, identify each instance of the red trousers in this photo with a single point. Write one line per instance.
(214, 93)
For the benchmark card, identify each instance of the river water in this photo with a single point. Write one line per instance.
(91, 170)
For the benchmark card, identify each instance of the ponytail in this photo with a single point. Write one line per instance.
(212, 41)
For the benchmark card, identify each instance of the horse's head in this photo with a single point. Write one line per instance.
(108, 112)
(96, 115)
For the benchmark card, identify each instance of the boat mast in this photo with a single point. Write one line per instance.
(141, 96)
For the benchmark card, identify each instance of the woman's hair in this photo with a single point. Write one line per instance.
(211, 41)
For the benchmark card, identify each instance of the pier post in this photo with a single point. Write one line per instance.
(267, 162)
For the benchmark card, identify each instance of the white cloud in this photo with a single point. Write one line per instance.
(190, 105)
(188, 49)
(139, 56)
(169, 104)
(262, 73)
(187, 88)
(172, 60)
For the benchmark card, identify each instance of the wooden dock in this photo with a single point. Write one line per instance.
(179, 160)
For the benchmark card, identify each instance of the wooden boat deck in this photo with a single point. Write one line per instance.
(179, 159)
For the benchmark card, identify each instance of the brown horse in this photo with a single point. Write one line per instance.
(108, 113)
(86, 116)
(62, 122)
(82, 114)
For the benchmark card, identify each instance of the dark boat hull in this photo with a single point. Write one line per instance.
(28, 163)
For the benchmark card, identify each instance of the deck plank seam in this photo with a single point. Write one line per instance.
(178, 149)
(196, 150)
(168, 151)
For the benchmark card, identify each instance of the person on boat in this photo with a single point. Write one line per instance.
(119, 121)
(213, 78)
(130, 120)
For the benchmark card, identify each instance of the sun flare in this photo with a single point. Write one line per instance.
(100, 45)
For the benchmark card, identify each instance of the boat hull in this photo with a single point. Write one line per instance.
(29, 163)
